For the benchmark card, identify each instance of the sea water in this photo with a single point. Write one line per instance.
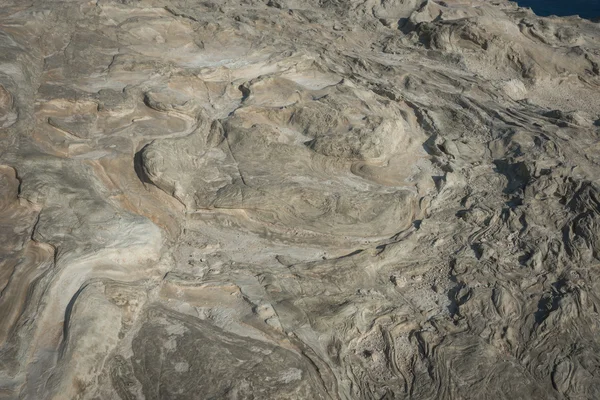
(584, 8)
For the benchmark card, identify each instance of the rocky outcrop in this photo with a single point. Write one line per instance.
(298, 199)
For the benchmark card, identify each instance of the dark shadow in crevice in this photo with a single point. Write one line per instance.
(245, 92)
(138, 165)
(456, 299)
(551, 301)
(517, 174)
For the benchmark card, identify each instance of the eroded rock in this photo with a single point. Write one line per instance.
(298, 200)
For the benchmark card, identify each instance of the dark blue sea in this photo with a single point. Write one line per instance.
(584, 8)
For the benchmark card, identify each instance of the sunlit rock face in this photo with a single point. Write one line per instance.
(292, 199)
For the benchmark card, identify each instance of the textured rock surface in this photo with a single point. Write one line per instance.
(291, 199)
